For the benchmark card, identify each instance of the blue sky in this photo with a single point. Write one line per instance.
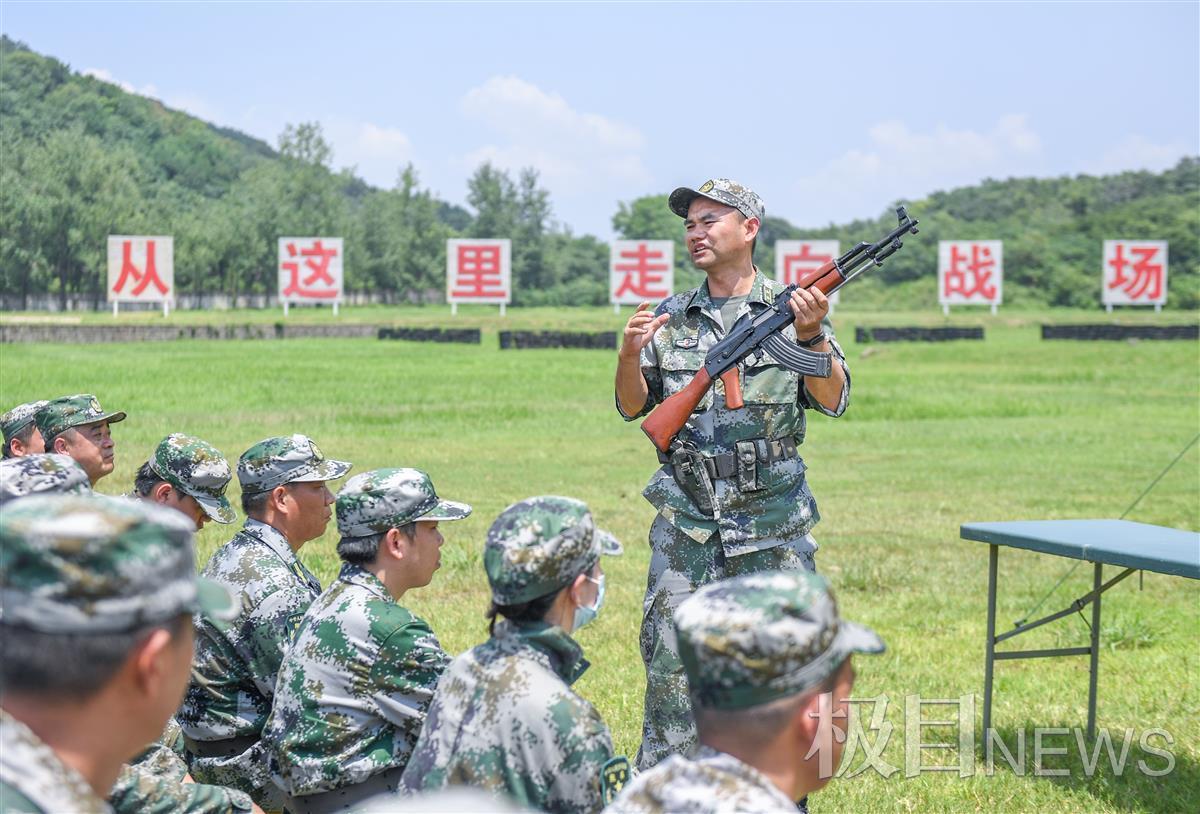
(830, 111)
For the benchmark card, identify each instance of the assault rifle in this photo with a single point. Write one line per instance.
(753, 335)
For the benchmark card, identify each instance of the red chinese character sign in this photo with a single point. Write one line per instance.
(478, 271)
(141, 269)
(1135, 273)
(310, 271)
(640, 271)
(970, 272)
(795, 258)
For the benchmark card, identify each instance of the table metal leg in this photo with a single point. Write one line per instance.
(993, 556)
(1097, 579)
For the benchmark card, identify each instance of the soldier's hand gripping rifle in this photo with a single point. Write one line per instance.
(750, 336)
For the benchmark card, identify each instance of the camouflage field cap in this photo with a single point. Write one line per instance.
(723, 191)
(18, 418)
(96, 564)
(198, 469)
(72, 411)
(375, 501)
(764, 636)
(285, 459)
(539, 545)
(38, 474)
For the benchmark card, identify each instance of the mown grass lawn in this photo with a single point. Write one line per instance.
(937, 435)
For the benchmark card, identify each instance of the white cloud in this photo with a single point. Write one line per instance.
(899, 162)
(377, 152)
(586, 160)
(187, 102)
(1137, 152)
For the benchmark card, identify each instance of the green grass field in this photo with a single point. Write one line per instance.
(936, 435)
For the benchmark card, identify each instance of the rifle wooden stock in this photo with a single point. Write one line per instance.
(666, 419)
(733, 389)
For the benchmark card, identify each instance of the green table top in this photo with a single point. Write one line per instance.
(1112, 542)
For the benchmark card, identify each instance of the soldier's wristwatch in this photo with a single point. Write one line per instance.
(811, 343)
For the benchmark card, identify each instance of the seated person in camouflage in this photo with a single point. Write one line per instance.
(21, 436)
(353, 689)
(41, 474)
(504, 717)
(762, 653)
(233, 678)
(98, 595)
(79, 427)
(190, 476)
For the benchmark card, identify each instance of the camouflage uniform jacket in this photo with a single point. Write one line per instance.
(708, 781)
(775, 401)
(233, 672)
(33, 778)
(353, 689)
(504, 718)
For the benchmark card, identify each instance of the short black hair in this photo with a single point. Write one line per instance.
(532, 611)
(23, 435)
(71, 666)
(363, 550)
(146, 479)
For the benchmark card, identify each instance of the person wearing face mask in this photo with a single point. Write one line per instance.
(504, 717)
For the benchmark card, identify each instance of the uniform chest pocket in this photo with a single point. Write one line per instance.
(766, 381)
(679, 366)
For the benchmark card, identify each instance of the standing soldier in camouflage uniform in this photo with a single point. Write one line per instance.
(746, 506)
(79, 427)
(190, 476)
(504, 717)
(21, 436)
(97, 598)
(233, 679)
(354, 687)
(41, 474)
(763, 652)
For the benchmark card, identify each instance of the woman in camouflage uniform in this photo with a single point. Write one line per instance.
(504, 717)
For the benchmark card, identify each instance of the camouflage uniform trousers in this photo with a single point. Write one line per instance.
(152, 783)
(246, 771)
(678, 566)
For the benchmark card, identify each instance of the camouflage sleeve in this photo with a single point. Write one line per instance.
(586, 747)
(410, 662)
(268, 633)
(808, 401)
(140, 791)
(165, 757)
(653, 377)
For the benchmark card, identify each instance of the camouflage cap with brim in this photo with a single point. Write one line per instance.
(375, 501)
(723, 191)
(64, 413)
(286, 459)
(19, 417)
(764, 636)
(96, 564)
(537, 546)
(42, 474)
(198, 469)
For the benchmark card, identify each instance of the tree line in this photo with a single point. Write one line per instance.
(82, 159)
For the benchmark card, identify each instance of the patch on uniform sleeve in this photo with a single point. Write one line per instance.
(613, 776)
(293, 624)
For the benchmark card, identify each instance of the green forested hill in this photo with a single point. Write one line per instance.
(81, 159)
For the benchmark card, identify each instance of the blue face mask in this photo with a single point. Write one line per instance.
(583, 615)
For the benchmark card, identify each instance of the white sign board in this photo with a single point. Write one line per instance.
(479, 270)
(640, 271)
(970, 272)
(795, 258)
(141, 269)
(1134, 272)
(310, 270)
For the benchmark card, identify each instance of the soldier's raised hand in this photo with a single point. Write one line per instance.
(640, 329)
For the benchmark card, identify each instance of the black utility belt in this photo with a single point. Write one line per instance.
(748, 453)
(227, 747)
